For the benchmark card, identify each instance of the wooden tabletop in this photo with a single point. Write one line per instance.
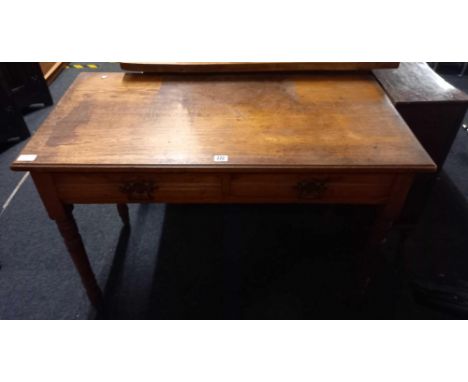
(109, 121)
(239, 67)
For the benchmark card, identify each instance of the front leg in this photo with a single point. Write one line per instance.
(63, 216)
(72, 238)
(387, 214)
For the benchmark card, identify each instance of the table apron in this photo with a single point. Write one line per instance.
(126, 187)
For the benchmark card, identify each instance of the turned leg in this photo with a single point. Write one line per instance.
(382, 225)
(71, 236)
(386, 216)
(123, 213)
(389, 212)
(63, 216)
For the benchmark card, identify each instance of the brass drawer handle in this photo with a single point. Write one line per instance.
(311, 188)
(139, 190)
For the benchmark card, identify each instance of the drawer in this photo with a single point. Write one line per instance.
(316, 188)
(218, 188)
(138, 188)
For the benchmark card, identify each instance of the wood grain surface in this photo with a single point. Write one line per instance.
(417, 82)
(341, 121)
(126, 187)
(432, 108)
(231, 67)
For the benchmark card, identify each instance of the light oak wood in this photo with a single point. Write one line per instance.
(242, 67)
(51, 70)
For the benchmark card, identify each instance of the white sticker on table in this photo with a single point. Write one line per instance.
(27, 157)
(221, 158)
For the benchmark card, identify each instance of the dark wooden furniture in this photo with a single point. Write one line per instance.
(263, 138)
(21, 85)
(25, 84)
(251, 67)
(12, 125)
(433, 109)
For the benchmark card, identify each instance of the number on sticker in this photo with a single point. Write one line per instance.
(27, 158)
(221, 158)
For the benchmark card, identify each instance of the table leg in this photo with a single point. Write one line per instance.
(72, 238)
(123, 213)
(390, 211)
(386, 216)
(63, 216)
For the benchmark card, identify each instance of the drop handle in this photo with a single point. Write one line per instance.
(139, 189)
(311, 188)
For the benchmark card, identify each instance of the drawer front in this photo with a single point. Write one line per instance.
(138, 188)
(218, 188)
(312, 188)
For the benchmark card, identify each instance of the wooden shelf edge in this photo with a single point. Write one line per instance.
(50, 73)
(242, 67)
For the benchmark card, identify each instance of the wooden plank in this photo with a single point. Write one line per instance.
(51, 70)
(230, 67)
(317, 122)
(417, 82)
